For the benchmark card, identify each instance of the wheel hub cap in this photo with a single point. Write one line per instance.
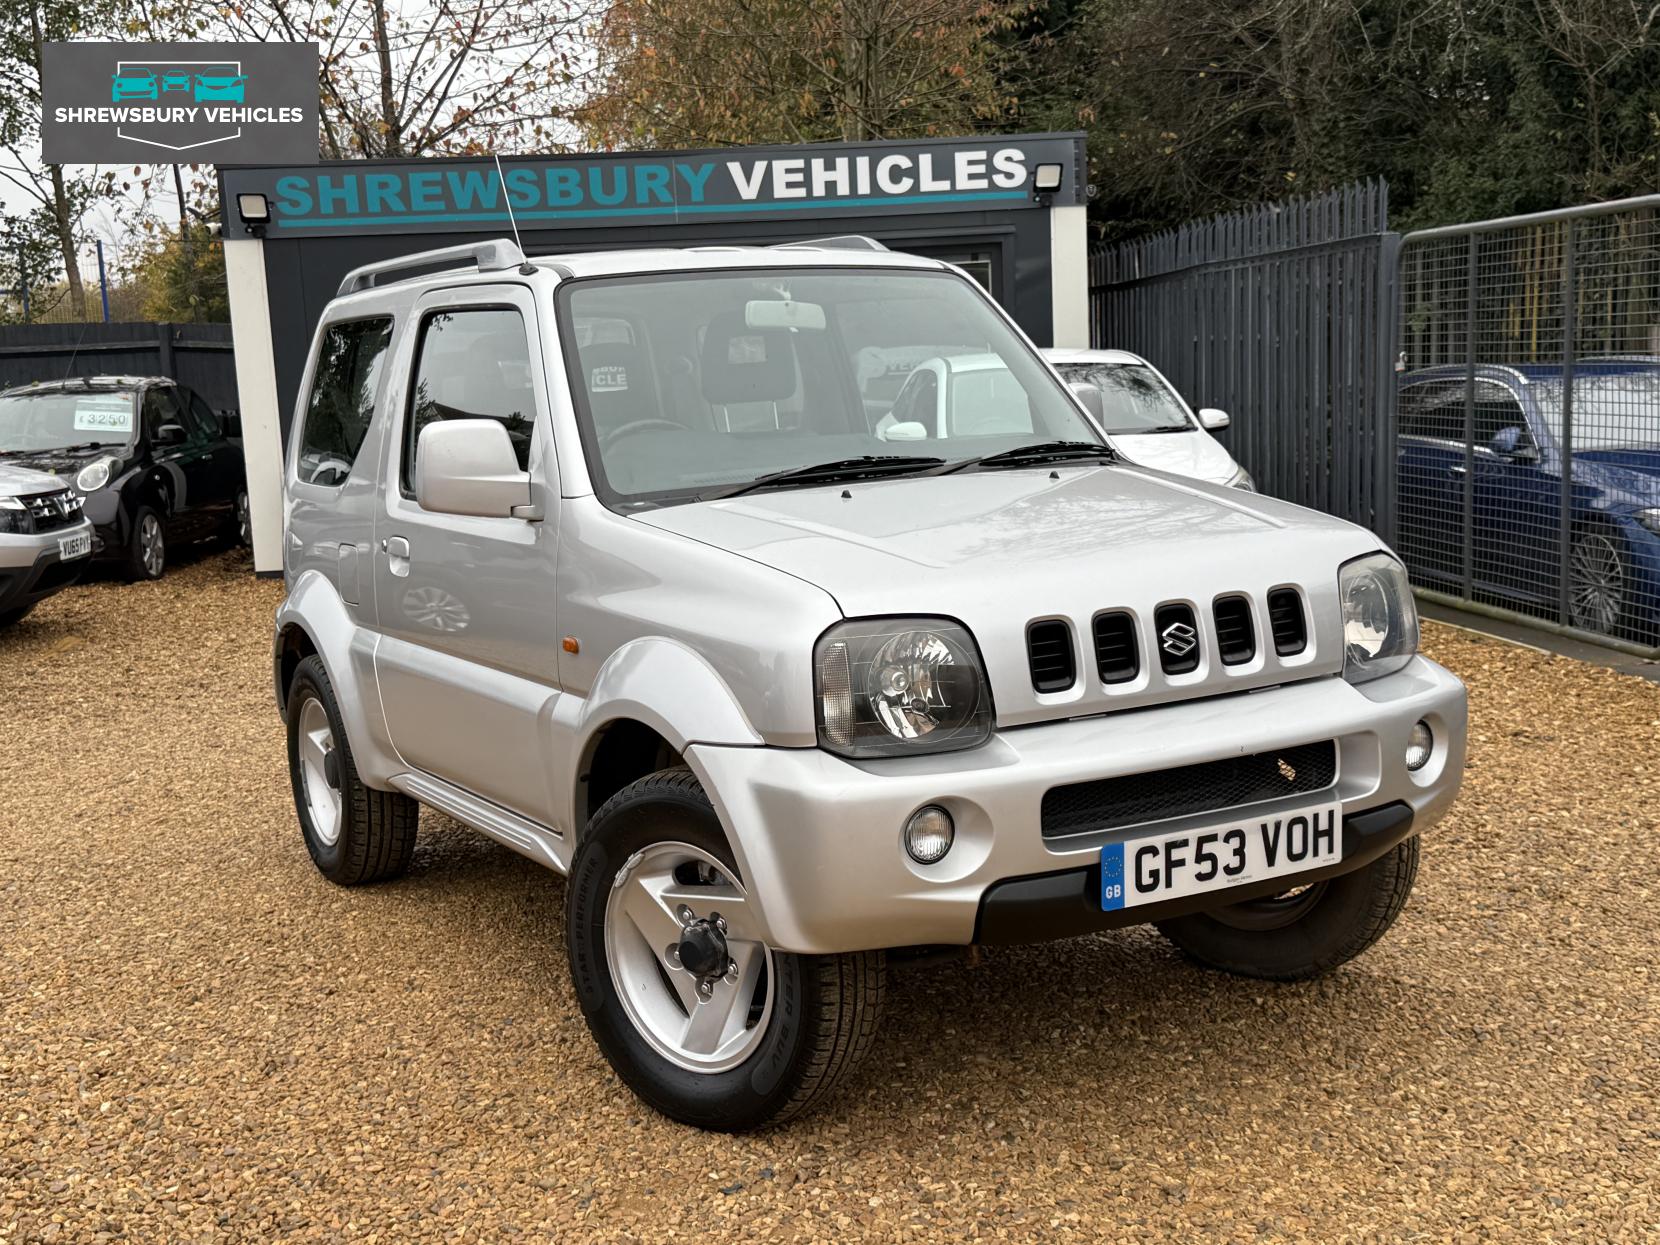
(319, 771)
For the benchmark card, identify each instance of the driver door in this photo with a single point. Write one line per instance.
(468, 660)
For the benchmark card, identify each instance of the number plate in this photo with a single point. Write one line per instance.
(1194, 862)
(74, 546)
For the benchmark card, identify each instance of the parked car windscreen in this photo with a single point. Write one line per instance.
(1133, 398)
(64, 418)
(686, 383)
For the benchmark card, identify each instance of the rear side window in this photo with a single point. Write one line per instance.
(342, 401)
(472, 363)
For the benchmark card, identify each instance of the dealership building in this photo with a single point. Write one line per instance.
(1009, 210)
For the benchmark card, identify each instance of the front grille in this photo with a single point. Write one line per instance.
(1176, 631)
(51, 511)
(1116, 660)
(1236, 642)
(1049, 654)
(1211, 786)
(1285, 617)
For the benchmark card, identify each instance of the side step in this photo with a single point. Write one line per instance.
(528, 838)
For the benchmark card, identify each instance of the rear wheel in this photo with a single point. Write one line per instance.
(697, 1014)
(1305, 931)
(355, 834)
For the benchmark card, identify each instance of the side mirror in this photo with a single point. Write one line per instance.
(168, 434)
(467, 466)
(904, 430)
(1511, 443)
(1211, 419)
(1090, 396)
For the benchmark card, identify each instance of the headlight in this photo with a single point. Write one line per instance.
(1650, 519)
(1241, 479)
(1380, 618)
(892, 686)
(14, 517)
(95, 475)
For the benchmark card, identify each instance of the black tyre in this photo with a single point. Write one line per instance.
(8, 617)
(709, 1027)
(354, 833)
(1306, 932)
(146, 545)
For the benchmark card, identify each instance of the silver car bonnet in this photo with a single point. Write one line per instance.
(1000, 550)
(23, 481)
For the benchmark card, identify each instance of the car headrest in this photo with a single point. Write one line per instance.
(741, 364)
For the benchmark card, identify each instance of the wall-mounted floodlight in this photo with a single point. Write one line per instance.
(1046, 178)
(255, 211)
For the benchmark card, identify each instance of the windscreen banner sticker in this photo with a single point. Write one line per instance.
(103, 412)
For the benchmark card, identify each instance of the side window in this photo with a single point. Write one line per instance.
(1496, 410)
(472, 363)
(160, 408)
(1435, 412)
(342, 401)
(988, 402)
(204, 425)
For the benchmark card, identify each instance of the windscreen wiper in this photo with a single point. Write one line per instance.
(865, 467)
(1155, 428)
(1043, 452)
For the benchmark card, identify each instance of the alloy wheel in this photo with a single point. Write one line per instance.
(1596, 584)
(682, 950)
(152, 547)
(320, 771)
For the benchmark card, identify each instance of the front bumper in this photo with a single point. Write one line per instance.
(818, 838)
(31, 570)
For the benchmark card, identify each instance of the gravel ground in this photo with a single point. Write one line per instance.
(200, 1039)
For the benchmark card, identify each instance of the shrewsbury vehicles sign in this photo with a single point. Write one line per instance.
(434, 195)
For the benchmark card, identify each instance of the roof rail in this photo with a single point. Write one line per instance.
(841, 242)
(496, 256)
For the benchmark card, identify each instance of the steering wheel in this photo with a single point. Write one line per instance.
(640, 425)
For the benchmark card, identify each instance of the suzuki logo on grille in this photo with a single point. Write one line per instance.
(1287, 770)
(1178, 639)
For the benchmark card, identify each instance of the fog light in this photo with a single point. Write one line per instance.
(1419, 745)
(928, 834)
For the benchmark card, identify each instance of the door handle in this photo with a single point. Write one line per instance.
(396, 549)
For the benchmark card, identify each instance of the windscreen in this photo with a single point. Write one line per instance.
(1133, 398)
(688, 383)
(61, 419)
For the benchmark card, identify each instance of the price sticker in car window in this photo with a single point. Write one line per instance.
(97, 412)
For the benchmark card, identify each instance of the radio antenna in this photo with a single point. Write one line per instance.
(525, 269)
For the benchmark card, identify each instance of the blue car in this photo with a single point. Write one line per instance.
(1613, 515)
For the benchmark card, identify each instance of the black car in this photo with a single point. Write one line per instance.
(155, 464)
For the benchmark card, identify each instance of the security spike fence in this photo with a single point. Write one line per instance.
(1283, 316)
(1529, 417)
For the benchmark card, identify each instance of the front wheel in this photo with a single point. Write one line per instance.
(146, 546)
(1597, 582)
(8, 617)
(1304, 932)
(693, 1010)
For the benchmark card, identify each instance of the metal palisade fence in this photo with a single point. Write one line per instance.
(1529, 417)
(1283, 316)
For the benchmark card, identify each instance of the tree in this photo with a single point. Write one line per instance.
(696, 72)
(182, 277)
(424, 77)
(62, 198)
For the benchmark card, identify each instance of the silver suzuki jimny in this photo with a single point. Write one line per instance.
(633, 562)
